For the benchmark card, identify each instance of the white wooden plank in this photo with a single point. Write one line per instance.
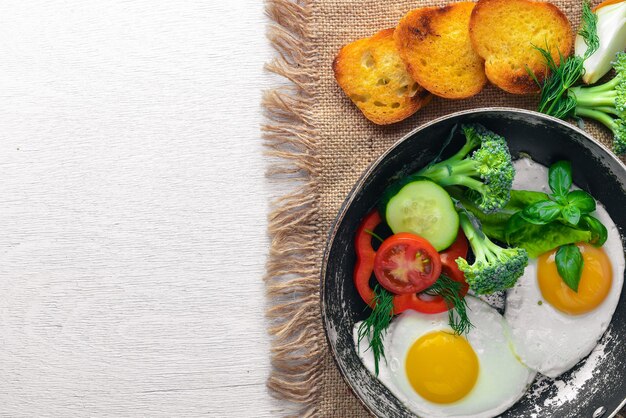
(132, 209)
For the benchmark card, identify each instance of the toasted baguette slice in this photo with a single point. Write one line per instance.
(503, 32)
(434, 42)
(372, 74)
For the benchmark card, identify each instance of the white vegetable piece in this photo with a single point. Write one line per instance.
(612, 35)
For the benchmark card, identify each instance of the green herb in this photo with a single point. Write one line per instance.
(450, 291)
(598, 231)
(570, 214)
(555, 99)
(569, 263)
(528, 219)
(541, 213)
(375, 326)
(582, 200)
(564, 205)
(589, 29)
(375, 235)
(560, 177)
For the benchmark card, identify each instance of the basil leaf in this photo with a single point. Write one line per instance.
(541, 213)
(598, 230)
(560, 177)
(561, 200)
(569, 263)
(582, 200)
(570, 214)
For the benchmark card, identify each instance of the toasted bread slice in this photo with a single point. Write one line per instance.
(503, 32)
(371, 72)
(434, 42)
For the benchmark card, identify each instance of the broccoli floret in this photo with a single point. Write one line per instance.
(606, 103)
(495, 268)
(487, 173)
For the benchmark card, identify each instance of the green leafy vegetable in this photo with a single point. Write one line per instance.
(538, 239)
(571, 214)
(508, 226)
(375, 326)
(562, 204)
(450, 291)
(560, 177)
(582, 200)
(569, 263)
(538, 222)
(541, 213)
(598, 231)
(561, 207)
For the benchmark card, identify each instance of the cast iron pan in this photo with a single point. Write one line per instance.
(547, 140)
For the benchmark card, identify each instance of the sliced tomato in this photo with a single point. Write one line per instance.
(435, 304)
(365, 256)
(406, 263)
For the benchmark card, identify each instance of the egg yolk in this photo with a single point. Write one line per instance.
(442, 367)
(593, 287)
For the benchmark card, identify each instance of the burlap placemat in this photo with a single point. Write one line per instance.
(323, 143)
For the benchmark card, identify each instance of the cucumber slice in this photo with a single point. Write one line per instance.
(424, 208)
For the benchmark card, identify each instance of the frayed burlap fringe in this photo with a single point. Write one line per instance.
(292, 269)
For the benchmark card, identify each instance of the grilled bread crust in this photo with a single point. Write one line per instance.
(371, 72)
(505, 33)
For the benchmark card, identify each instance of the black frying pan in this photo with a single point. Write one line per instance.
(547, 140)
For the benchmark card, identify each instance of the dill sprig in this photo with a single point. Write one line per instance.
(373, 234)
(375, 326)
(555, 99)
(450, 291)
(589, 29)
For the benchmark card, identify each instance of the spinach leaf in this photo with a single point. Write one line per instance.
(560, 177)
(569, 263)
(535, 239)
(582, 200)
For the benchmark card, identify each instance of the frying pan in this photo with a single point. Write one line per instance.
(546, 140)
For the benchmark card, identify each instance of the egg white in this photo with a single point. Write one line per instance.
(502, 378)
(546, 339)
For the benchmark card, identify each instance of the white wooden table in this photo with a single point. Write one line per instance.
(132, 209)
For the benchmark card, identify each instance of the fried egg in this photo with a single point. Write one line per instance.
(553, 327)
(436, 373)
